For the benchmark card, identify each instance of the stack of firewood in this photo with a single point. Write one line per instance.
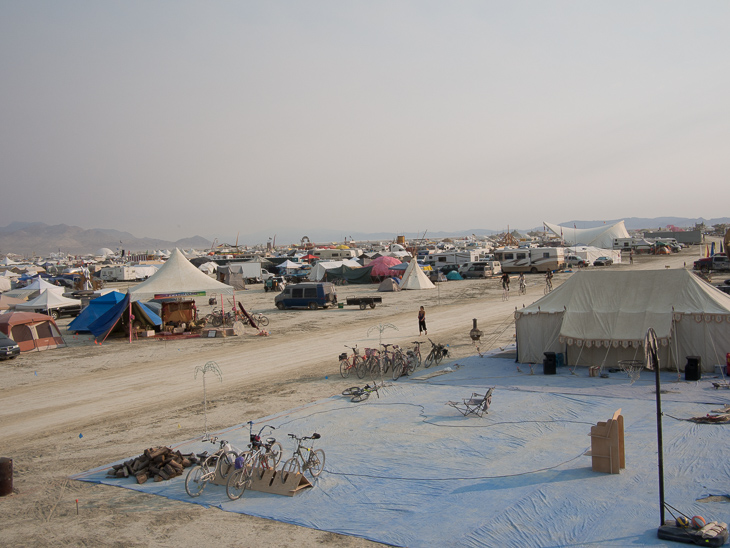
(160, 463)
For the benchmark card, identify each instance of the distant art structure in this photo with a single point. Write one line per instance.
(208, 367)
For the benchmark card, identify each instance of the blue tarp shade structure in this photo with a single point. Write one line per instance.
(105, 323)
(454, 275)
(515, 477)
(96, 308)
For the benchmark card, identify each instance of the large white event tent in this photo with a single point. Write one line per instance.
(601, 317)
(600, 236)
(178, 277)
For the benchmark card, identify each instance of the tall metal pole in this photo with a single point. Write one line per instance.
(660, 445)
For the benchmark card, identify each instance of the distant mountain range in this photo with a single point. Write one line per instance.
(39, 239)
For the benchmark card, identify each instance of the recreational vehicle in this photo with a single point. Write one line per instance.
(334, 254)
(530, 259)
(118, 273)
(450, 258)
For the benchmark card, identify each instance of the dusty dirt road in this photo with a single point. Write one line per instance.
(121, 398)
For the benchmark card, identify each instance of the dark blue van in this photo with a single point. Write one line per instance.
(310, 295)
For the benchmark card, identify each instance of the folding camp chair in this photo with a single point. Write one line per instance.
(476, 405)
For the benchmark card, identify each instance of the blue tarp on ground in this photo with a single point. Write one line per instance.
(96, 308)
(427, 476)
(109, 319)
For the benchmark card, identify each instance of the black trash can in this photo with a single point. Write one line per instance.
(693, 369)
(549, 364)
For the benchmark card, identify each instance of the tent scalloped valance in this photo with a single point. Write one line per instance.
(598, 343)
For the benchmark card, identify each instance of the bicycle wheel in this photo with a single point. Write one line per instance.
(290, 467)
(194, 482)
(262, 320)
(362, 396)
(238, 482)
(397, 369)
(411, 364)
(344, 368)
(274, 454)
(429, 360)
(350, 391)
(315, 464)
(386, 365)
(361, 368)
(227, 464)
(419, 361)
(439, 356)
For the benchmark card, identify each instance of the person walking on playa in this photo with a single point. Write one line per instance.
(422, 322)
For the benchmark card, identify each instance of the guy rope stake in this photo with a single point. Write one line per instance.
(210, 366)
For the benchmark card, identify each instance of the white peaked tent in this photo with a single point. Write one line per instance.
(600, 236)
(5, 284)
(46, 301)
(7, 262)
(39, 284)
(178, 277)
(414, 278)
(601, 317)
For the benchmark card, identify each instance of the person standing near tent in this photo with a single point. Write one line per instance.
(422, 322)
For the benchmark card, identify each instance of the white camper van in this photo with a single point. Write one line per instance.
(335, 254)
(530, 259)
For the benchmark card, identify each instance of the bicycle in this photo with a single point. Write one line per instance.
(414, 356)
(264, 455)
(438, 352)
(548, 285)
(314, 463)
(505, 293)
(221, 463)
(360, 394)
(371, 364)
(258, 317)
(392, 359)
(404, 364)
(272, 449)
(523, 287)
(348, 363)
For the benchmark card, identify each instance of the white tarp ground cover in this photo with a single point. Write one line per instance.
(426, 476)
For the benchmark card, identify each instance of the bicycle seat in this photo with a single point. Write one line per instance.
(269, 441)
(316, 436)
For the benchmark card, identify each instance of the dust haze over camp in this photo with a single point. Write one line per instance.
(218, 119)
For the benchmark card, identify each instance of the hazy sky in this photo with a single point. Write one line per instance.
(171, 119)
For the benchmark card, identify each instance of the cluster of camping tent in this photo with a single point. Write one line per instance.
(594, 318)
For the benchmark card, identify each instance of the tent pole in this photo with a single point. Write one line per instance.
(130, 321)
(654, 358)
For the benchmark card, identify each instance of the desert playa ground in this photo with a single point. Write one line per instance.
(68, 410)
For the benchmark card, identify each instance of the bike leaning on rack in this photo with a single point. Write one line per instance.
(263, 455)
(221, 463)
(298, 463)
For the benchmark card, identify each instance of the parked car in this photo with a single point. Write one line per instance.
(574, 260)
(603, 261)
(9, 349)
(310, 295)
